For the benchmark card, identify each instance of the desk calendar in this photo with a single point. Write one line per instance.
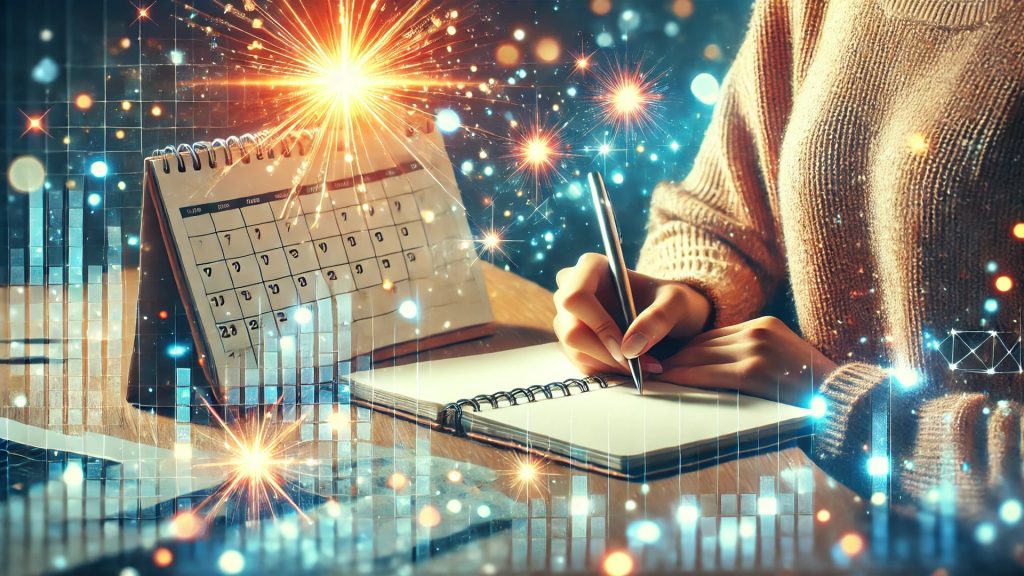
(289, 264)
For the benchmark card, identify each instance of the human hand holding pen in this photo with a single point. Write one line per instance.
(762, 357)
(591, 337)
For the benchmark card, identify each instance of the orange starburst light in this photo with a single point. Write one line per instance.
(257, 465)
(35, 123)
(537, 152)
(629, 98)
(493, 242)
(582, 62)
(349, 64)
(526, 475)
(142, 12)
(360, 75)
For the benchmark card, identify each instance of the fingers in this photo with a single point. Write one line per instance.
(715, 334)
(589, 311)
(677, 310)
(589, 365)
(577, 337)
(708, 376)
(578, 295)
(745, 376)
(585, 275)
(656, 321)
(710, 353)
(756, 328)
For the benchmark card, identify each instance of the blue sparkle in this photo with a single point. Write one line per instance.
(644, 531)
(177, 350)
(878, 466)
(575, 190)
(705, 88)
(448, 120)
(408, 309)
(1011, 511)
(99, 169)
(819, 407)
(46, 71)
(985, 533)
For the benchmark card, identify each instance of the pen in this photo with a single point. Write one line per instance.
(616, 263)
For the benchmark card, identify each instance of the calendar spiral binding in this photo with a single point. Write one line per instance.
(451, 415)
(258, 142)
(248, 145)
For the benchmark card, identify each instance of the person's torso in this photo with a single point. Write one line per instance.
(901, 177)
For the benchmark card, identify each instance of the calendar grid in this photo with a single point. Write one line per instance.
(267, 249)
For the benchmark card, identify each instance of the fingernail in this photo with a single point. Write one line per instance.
(633, 345)
(613, 349)
(653, 367)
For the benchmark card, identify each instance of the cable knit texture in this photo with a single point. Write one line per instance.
(873, 151)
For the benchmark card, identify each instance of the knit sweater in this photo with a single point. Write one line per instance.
(873, 151)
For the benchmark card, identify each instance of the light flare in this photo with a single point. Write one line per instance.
(347, 64)
(358, 75)
(35, 123)
(493, 242)
(583, 61)
(537, 152)
(527, 475)
(257, 465)
(629, 98)
(143, 12)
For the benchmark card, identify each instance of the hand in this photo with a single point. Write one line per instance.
(590, 335)
(760, 357)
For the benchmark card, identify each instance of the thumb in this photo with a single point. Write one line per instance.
(657, 321)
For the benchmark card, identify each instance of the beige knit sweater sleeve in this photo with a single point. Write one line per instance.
(716, 230)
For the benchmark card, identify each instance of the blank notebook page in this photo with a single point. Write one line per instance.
(439, 382)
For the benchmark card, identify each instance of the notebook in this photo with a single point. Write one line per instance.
(534, 399)
(290, 261)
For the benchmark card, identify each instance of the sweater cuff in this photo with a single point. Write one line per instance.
(1004, 448)
(949, 459)
(691, 256)
(845, 429)
(968, 450)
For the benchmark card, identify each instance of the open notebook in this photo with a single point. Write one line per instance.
(534, 399)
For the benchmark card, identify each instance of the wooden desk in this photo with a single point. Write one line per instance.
(781, 492)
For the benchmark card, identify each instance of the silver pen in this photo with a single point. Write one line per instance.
(616, 263)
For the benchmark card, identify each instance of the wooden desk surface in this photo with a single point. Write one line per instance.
(84, 391)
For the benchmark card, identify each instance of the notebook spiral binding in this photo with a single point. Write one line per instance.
(451, 415)
(257, 143)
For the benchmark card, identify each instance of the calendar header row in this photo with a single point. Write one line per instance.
(237, 203)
